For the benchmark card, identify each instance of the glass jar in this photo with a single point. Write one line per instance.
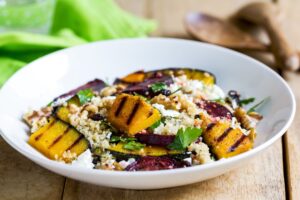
(26, 15)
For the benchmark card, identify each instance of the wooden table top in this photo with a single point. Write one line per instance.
(274, 174)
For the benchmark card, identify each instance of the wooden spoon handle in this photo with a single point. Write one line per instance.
(286, 57)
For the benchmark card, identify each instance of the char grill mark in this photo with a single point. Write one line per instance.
(224, 135)
(40, 135)
(59, 137)
(210, 126)
(133, 112)
(121, 105)
(237, 143)
(76, 142)
(150, 113)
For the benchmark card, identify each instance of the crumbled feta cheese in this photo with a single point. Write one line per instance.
(213, 92)
(124, 163)
(188, 160)
(84, 160)
(164, 112)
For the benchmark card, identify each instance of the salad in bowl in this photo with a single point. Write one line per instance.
(148, 120)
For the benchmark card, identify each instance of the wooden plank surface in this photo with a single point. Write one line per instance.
(22, 179)
(291, 143)
(254, 180)
(290, 26)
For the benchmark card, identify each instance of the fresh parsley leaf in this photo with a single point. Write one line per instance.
(246, 101)
(258, 105)
(156, 124)
(184, 138)
(115, 138)
(133, 145)
(85, 95)
(156, 87)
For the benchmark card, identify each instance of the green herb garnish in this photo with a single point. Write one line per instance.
(184, 138)
(246, 101)
(156, 124)
(156, 87)
(50, 104)
(133, 145)
(258, 105)
(85, 95)
(115, 138)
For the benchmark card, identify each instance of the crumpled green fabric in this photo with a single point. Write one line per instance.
(75, 22)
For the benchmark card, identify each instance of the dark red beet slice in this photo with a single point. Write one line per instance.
(95, 85)
(154, 139)
(215, 109)
(143, 87)
(150, 163)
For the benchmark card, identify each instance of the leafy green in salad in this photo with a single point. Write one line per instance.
(85, 95)
(258, 105)
(133, 145)
(246, 101)
(157, 87)
(184, 138)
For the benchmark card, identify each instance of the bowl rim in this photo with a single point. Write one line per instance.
(51, 164)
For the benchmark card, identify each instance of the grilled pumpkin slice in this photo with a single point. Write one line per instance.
(56, 137)
(194, 74)
(62, 112)
(146, 151)
(245, 120)
(135, 77)
(132, 114)
(226, 141)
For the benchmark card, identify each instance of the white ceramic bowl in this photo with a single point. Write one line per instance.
(40, 81)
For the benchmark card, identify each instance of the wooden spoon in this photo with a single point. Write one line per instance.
(264, 14)
(211, 29)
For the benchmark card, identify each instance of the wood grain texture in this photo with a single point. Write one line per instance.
(291, 140)
(22, 179)
(171, 13)
(290, 26)
(261, 178)
(253, 180)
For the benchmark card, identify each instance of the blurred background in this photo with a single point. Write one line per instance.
(30, 29)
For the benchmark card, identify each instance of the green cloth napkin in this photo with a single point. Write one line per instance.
(75, 22)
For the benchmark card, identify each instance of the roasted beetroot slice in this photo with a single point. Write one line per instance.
(194, 74)
(150, 163)
(95, 85)
(144, 89)
(215, 109)
(154, 139)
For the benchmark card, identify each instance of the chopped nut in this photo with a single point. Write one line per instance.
(108, 91)
(73, 108)
(91, 108)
